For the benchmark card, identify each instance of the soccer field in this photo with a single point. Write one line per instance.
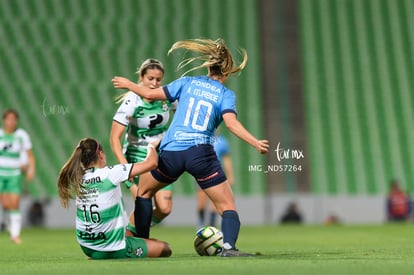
(387, 249)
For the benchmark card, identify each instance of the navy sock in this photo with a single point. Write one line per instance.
(230, 226)
(142, 216)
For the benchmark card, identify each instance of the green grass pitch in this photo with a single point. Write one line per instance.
(387, 249)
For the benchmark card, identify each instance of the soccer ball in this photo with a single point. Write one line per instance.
(208, 241)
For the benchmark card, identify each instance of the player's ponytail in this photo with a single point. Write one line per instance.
(70, 176)
(214, 55)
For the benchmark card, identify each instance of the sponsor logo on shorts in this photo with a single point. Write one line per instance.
(139, 251)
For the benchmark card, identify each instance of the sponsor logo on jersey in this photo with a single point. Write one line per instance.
(206, 85)
(92, 180)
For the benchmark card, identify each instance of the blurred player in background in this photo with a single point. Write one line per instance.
(398, 203)
(16, 156)
(144, 120)
(101, 218)
(222, 149)
(203, 103)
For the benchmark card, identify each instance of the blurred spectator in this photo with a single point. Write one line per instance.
(292, 214)
(398, 203)
(36, 214)
(332, 219)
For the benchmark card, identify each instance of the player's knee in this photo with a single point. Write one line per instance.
(164, 210)
(145, 192)
(9, 205)
(148, 189)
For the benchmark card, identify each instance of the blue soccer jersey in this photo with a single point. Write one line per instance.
(201, 103)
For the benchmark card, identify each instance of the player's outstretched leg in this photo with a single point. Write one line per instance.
(230, 226)
(223, 199)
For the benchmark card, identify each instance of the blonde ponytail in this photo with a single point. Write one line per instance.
(214, 55)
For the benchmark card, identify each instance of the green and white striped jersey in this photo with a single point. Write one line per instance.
(146, 121)
(13, 149)
(101, 218)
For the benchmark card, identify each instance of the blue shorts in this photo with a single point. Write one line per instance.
(200, 161)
